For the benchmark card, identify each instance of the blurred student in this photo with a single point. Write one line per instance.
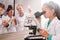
(2, 10)
(20, 17)
(9, 20)
(52, 11)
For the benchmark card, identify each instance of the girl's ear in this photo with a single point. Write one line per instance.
(53, 10)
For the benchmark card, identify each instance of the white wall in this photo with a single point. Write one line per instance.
(34, 4)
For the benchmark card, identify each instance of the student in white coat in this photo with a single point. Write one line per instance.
(2, 10)
(20, 18)
(10, 20)
(52, 11)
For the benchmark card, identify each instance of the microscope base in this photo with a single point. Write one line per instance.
(35, 37)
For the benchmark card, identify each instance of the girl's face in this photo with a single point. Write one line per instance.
(48, 12)
(11, 12)
(1, 11)
(19, 8)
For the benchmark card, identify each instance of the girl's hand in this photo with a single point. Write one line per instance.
(15, 21)
(5, 24)
(43, 33)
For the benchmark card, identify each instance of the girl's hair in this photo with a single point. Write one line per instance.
(2, 5)
(56, 7)
(9, 8)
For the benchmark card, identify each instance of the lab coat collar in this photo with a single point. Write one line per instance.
(53, 21)
(9, 17)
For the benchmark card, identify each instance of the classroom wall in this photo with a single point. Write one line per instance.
(34, 4)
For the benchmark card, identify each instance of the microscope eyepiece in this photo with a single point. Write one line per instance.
(38, 14)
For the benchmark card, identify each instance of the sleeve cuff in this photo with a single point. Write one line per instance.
(50, 37)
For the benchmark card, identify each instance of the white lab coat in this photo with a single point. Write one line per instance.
(54, 28)
(20, 22)
(12, 26)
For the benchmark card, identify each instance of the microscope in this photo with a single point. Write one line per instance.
(32, 27)
(33, 35)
